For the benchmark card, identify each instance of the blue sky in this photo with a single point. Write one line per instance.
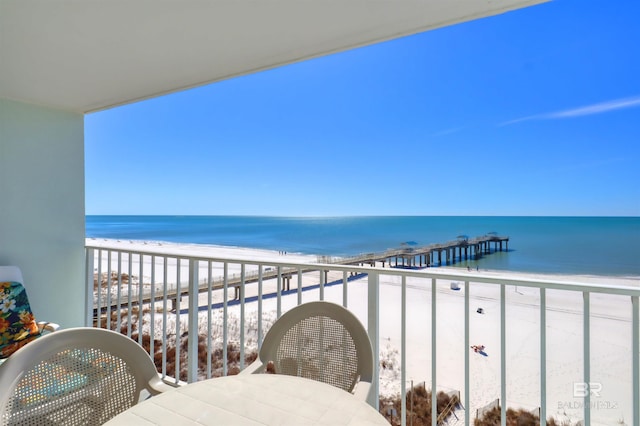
(533, 112)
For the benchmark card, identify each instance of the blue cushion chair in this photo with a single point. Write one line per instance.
(18, 325)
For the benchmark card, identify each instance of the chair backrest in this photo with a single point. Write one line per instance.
(76, 376)
(321, 341)
(17, 322)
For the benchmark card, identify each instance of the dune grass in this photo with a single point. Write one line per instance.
(514, 418)
(418, 404)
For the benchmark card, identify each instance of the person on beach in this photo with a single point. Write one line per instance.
(477, 348)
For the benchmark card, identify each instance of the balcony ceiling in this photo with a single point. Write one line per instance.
(85, 56)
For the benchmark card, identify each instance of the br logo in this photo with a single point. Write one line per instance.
(582, 389)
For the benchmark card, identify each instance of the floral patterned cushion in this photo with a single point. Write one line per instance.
(17, 323)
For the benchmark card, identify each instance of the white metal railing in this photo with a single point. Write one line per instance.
(164, 279)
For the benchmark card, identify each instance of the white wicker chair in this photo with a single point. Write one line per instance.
(75, 376)
(321, 341)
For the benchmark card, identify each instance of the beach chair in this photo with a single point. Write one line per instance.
(17, 322)
(76, 376)
(321, 341)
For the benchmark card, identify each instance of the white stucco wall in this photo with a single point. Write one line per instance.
(42, 207)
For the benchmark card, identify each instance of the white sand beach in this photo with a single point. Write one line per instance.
(610, 337)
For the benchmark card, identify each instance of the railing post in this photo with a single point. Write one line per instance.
(635, 347)
(107, 303)
(88, 288)
(503, 357)
(467, 392)
(403, 354)
(299, 285)
(140, 292)
(225, 319)
(586, 356)
(192, 350)
(345, 289)
(279, 293)
(242, 314)
(373, 312)
(119, 295)
(152, 301)
(98, 304)
(543, 357)
(434, 386)
(129, 290)
(165, 290)
(209, 316)
(259, 307)
(178, 332)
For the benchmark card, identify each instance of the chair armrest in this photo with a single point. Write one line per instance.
(47, 326)
(157, 385)
(361, 390)
(255, 367)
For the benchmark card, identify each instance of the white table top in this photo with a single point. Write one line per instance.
(252, 399)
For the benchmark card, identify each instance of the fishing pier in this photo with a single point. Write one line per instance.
(448, 253)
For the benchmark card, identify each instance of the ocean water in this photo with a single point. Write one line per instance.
(559, 245)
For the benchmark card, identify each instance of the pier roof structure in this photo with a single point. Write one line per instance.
(86, 56)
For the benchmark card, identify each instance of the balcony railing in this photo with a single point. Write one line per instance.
(231, 302)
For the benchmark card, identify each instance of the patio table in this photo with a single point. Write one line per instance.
(252, 399)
